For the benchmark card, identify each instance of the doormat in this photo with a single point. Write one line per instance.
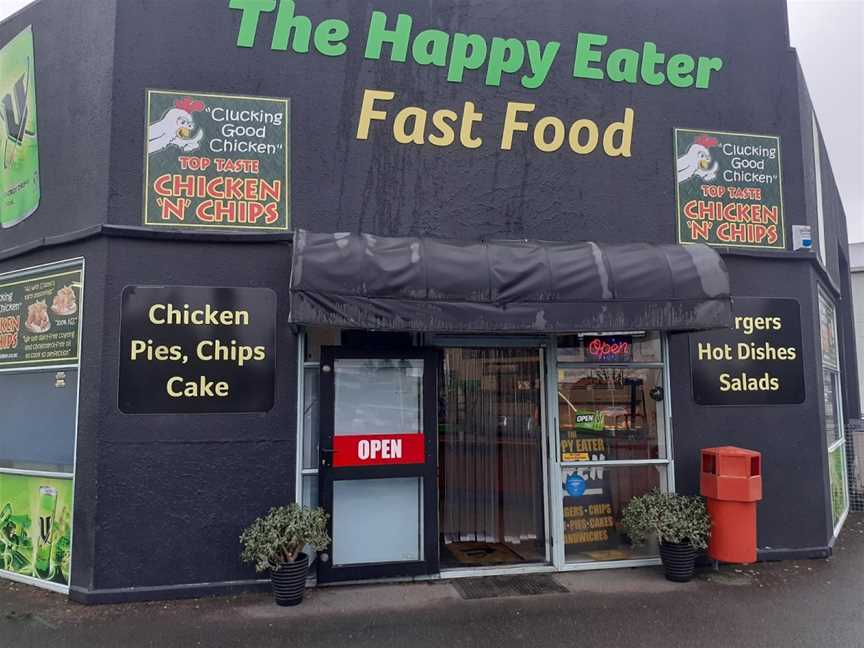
(608, 554)
(483, 553)
(501, 586)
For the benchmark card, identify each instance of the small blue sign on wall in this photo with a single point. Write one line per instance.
(575, 485)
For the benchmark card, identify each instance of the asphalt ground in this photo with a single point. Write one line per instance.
(816, 603)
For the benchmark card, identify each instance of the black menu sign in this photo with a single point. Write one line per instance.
(197, 349)
(756, 362)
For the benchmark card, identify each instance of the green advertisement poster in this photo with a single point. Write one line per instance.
(19, 176)
(217, 161)
(40, 319)
(837, 477)
(729, 189)
(36, 527)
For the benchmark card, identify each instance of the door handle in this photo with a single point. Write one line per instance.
(326, 455)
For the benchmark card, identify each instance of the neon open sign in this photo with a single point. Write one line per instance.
(609, 349)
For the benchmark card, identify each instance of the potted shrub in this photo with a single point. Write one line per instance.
(276, 542)
(680, 524)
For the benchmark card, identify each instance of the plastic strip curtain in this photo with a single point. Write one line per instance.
(491, 446)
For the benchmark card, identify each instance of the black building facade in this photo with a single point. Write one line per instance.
(588, 239)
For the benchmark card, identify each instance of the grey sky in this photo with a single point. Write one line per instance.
(828, 35)
(10, 6)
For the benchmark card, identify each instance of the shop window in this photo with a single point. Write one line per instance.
(833, 417)
(39, 420)
(41, 322)
(837, 478)
(613, 440)
(817, 174)
(311, 413)
(593, 501)
(832, 400)
(828, 333)
(310, 490)
(311, 341)
(610, 414)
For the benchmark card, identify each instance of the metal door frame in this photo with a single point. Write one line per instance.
(327, 474)
(541, 345)
(667, 464)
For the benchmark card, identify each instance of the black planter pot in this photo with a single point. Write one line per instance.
(679, 559)
(289, 581)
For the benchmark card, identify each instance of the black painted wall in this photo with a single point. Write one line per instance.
(379, 186)
(174, 491)
(789, 437)
(160, 500)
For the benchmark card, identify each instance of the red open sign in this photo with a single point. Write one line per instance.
(609, 349)
(378, 449)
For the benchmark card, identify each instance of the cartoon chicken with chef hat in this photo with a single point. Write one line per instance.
(176, 128)
(697, 160)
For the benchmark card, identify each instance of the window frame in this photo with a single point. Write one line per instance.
(665, 466)
(300, 472)
(838, 444)
(662, 440)
(552, 440)
(817, 171)
(74, 262)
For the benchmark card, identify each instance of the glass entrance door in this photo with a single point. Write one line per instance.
(610, 410)
(491, 486)
(378, 456)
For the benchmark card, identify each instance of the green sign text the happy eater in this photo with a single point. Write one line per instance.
(396, 39)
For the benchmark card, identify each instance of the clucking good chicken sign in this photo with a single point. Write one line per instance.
(216, 161)
(729, 189)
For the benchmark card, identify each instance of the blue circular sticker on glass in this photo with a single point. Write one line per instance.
(575, 485)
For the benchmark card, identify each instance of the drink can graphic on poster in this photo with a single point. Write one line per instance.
(19, 175)
(47, 510)
(36, 527)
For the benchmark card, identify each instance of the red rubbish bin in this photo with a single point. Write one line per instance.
(731, 481)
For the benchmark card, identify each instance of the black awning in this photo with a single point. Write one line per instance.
(370, 282)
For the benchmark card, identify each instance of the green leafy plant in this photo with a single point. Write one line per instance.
(278, 538)
(670, 517)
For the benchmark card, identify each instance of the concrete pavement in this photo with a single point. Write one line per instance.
(792, 604)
